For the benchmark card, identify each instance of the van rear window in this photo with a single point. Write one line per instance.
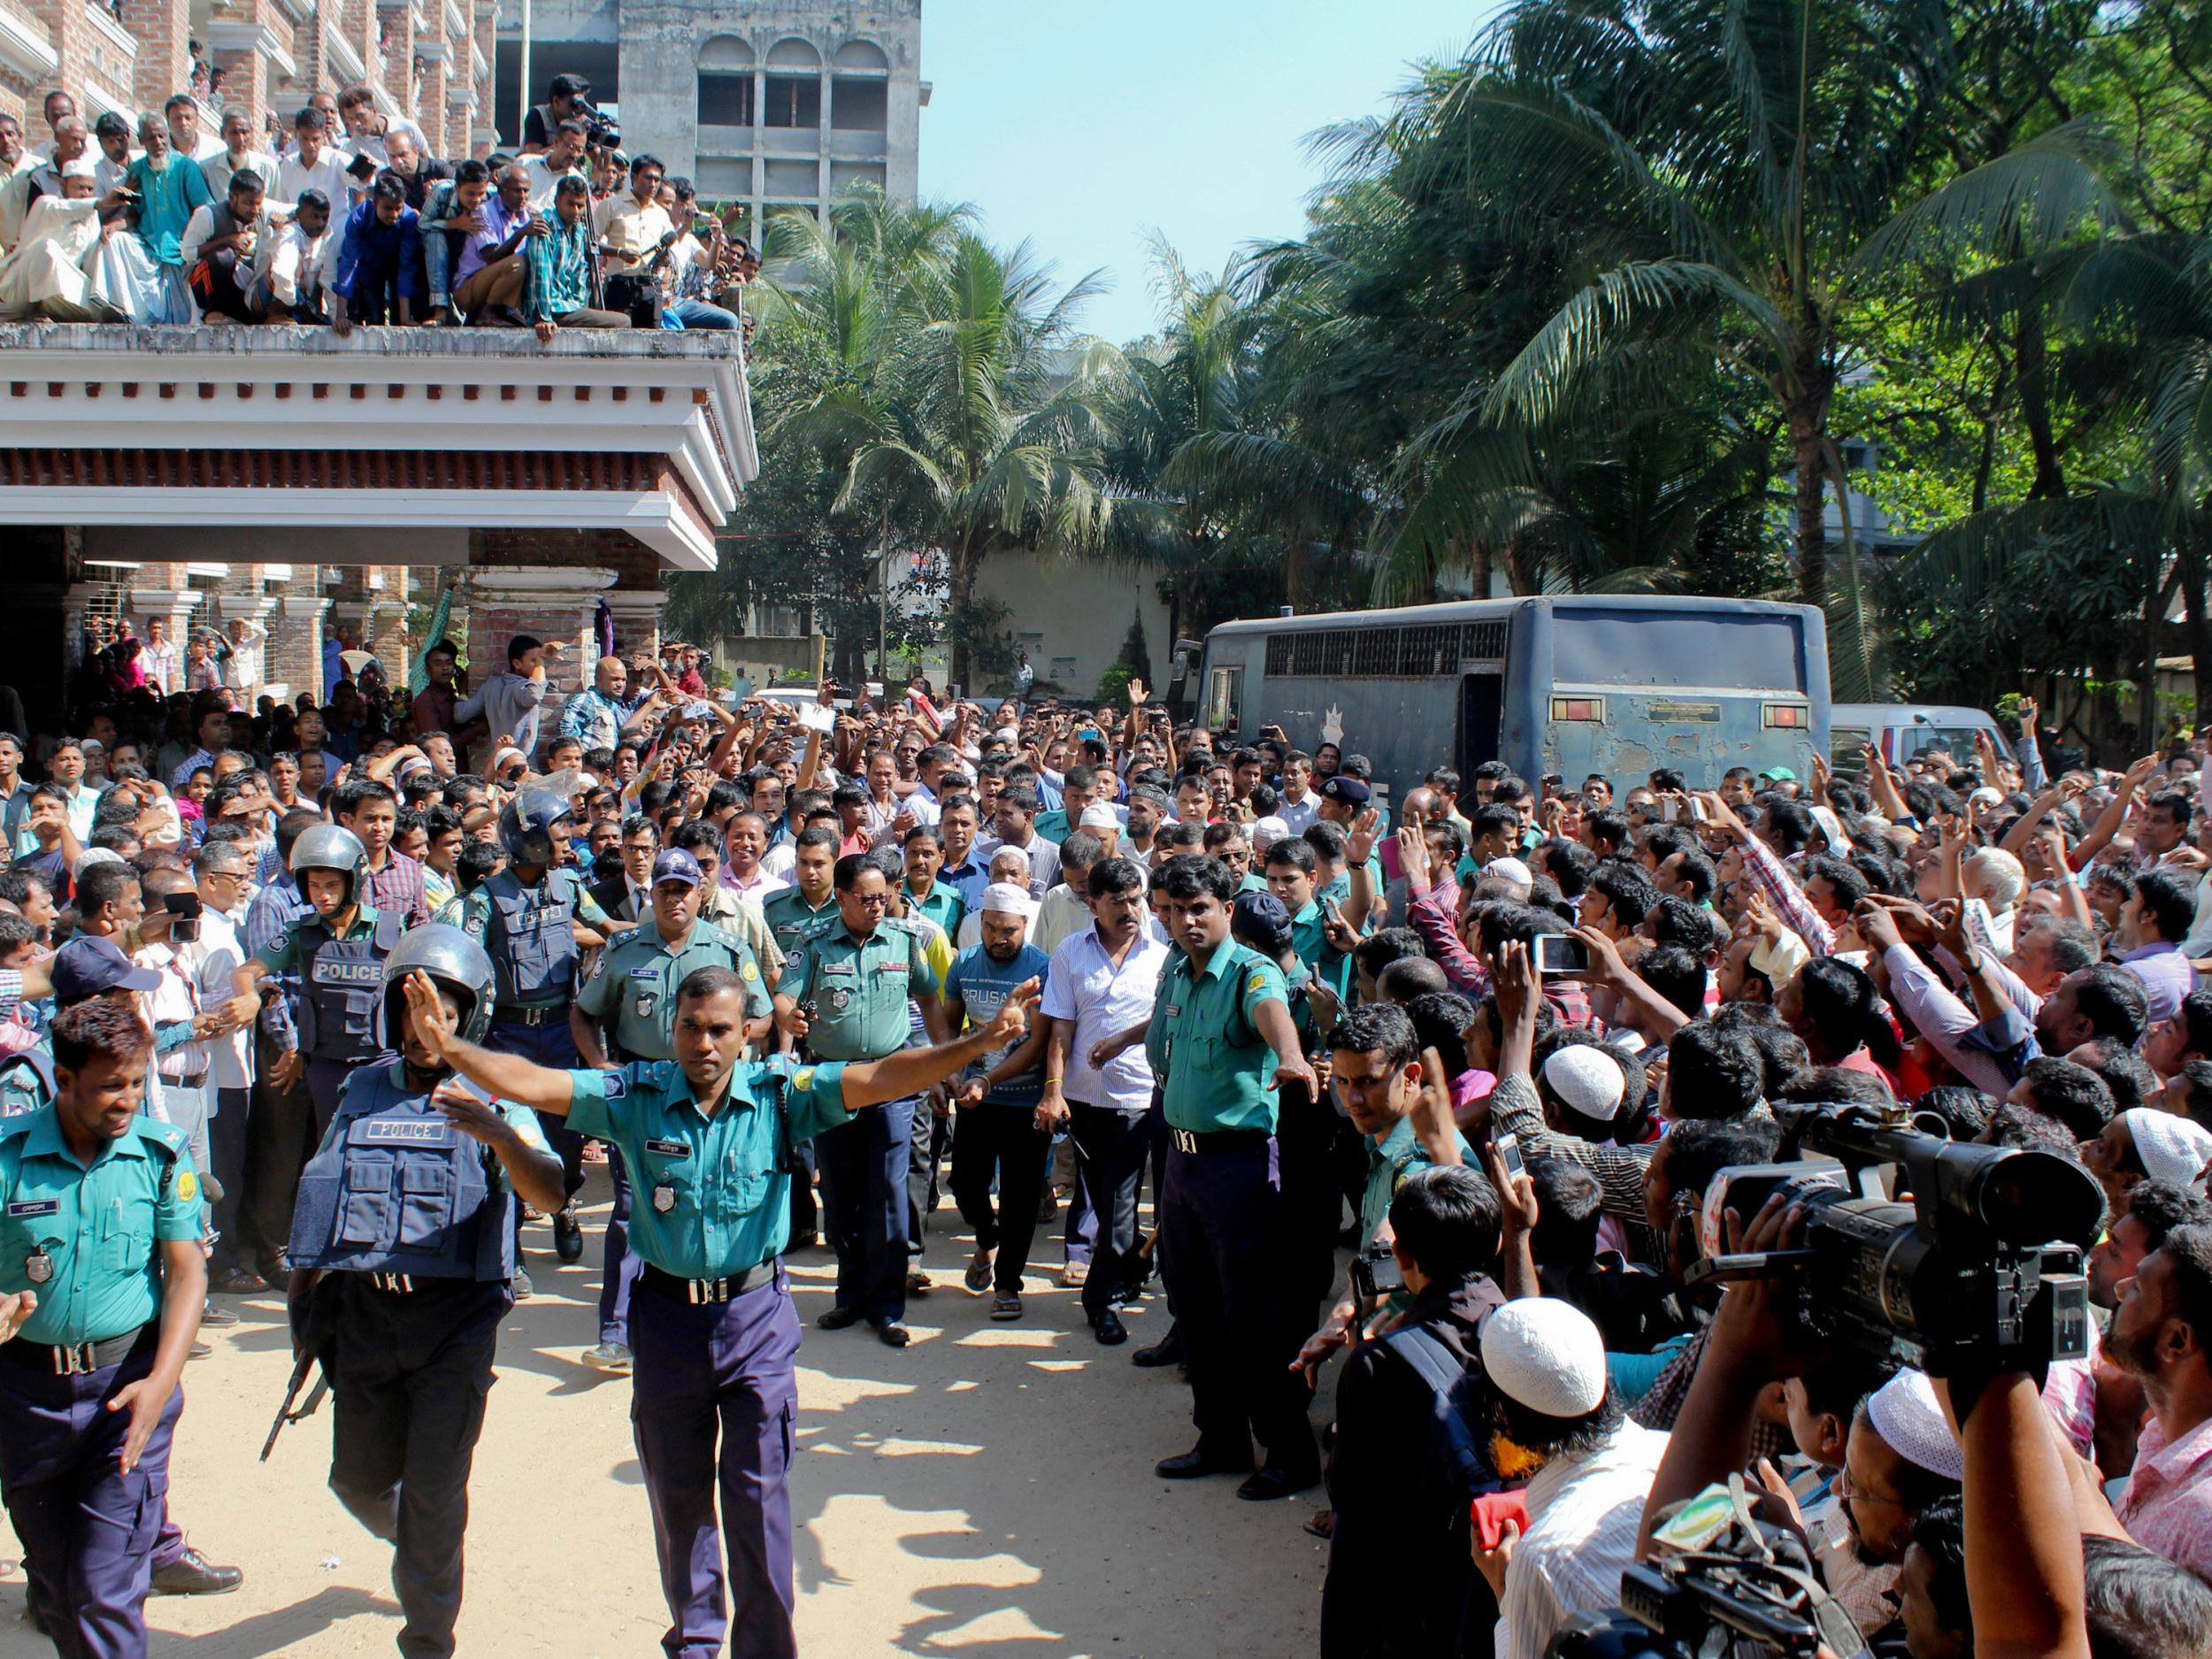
(1754, 651)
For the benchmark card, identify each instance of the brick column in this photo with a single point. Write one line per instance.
(293, 656)
(162, 29)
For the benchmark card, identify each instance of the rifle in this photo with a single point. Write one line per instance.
(285, 1413)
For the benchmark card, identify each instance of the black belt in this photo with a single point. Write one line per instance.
(701, 1292)
(1217, 1140)
(71, 1359)
(185, 1082)
(538, 1015)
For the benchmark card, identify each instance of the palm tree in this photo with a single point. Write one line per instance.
(972, 421)
(1742, 176)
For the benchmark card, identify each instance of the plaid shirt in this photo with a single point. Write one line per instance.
(1659, 1409)
(1768, 874)
(1517, 1109)
(398, 889)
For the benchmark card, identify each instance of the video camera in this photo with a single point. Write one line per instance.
(1981, 1271)
(1685, 1608)
(602, 131)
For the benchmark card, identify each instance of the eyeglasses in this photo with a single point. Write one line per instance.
(1848, 1489)
(871, 901)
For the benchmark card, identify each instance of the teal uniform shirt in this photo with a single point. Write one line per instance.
(859, 986)
(1052, 825)
(788, 916)
(942, 906)
(635, 979)
(1253, 883)
(712, 1195)
(1389, 1161)
(1220, 1072)
(281, 955)
(87, 1238)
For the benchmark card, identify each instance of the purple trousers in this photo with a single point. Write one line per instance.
(86, 1529)
(714, 1401)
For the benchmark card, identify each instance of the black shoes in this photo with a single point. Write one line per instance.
(1198, 1460)
(194, 1574)
(837, 1319)
(1167, 1351)
(891, 1334)
(1276, 1479)
(1108, 1329)
(568, 1237)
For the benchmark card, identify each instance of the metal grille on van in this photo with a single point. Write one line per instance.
(1397, 653)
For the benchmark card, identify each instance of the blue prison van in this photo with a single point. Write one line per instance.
(1572, 684)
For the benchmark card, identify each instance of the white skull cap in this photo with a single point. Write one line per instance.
(1546, 1354)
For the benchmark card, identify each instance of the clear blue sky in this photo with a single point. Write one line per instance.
(1084, 126)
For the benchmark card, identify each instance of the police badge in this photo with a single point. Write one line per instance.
(664, 1199)
(38, 1267)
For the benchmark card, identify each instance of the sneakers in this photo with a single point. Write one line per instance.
(612, 1357)
(523, 1288)
(212, 1315)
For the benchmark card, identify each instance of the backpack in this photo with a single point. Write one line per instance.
(1458, 1460)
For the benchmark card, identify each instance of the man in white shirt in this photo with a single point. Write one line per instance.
(313, 165)
(48, 272)
(297, 265)
(158, 652)
(545, 172)
(113, 134)
(1102, 982)
(42, 177)
(241, 671)
(1543, 1364)
(367, 127)
(1299, 806)
(239, 155)
(186, 135)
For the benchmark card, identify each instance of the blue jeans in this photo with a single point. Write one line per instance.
(697, 314)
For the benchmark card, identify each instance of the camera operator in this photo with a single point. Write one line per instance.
(1399, 1569)
(564, 94)
(1554, 1420)
(630, 234)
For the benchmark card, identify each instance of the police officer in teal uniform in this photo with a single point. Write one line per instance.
(844, 991)
(1222, 1040)
(403, 1241)
(533, 918)
(634, 985)
(338, 952)
(812, 896)
(102, 1282)
(709, 1140)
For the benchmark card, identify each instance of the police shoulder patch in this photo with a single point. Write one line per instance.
(803, 1077)
(749, 969)
(614, 1085)
(187, 1186)
(1254, 986)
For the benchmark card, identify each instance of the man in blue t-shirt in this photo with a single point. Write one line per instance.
(996, 1128)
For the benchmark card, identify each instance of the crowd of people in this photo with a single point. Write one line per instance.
(1442, 1086)
(340, 215)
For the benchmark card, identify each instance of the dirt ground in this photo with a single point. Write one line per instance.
(988, 1492)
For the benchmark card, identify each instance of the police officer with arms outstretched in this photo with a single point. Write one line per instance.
(102, 1281)
(533, 918)
(338, 953)
(634, 986)
(403, 1241)
(709, 1141)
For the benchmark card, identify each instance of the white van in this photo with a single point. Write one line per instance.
(1901, 730)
